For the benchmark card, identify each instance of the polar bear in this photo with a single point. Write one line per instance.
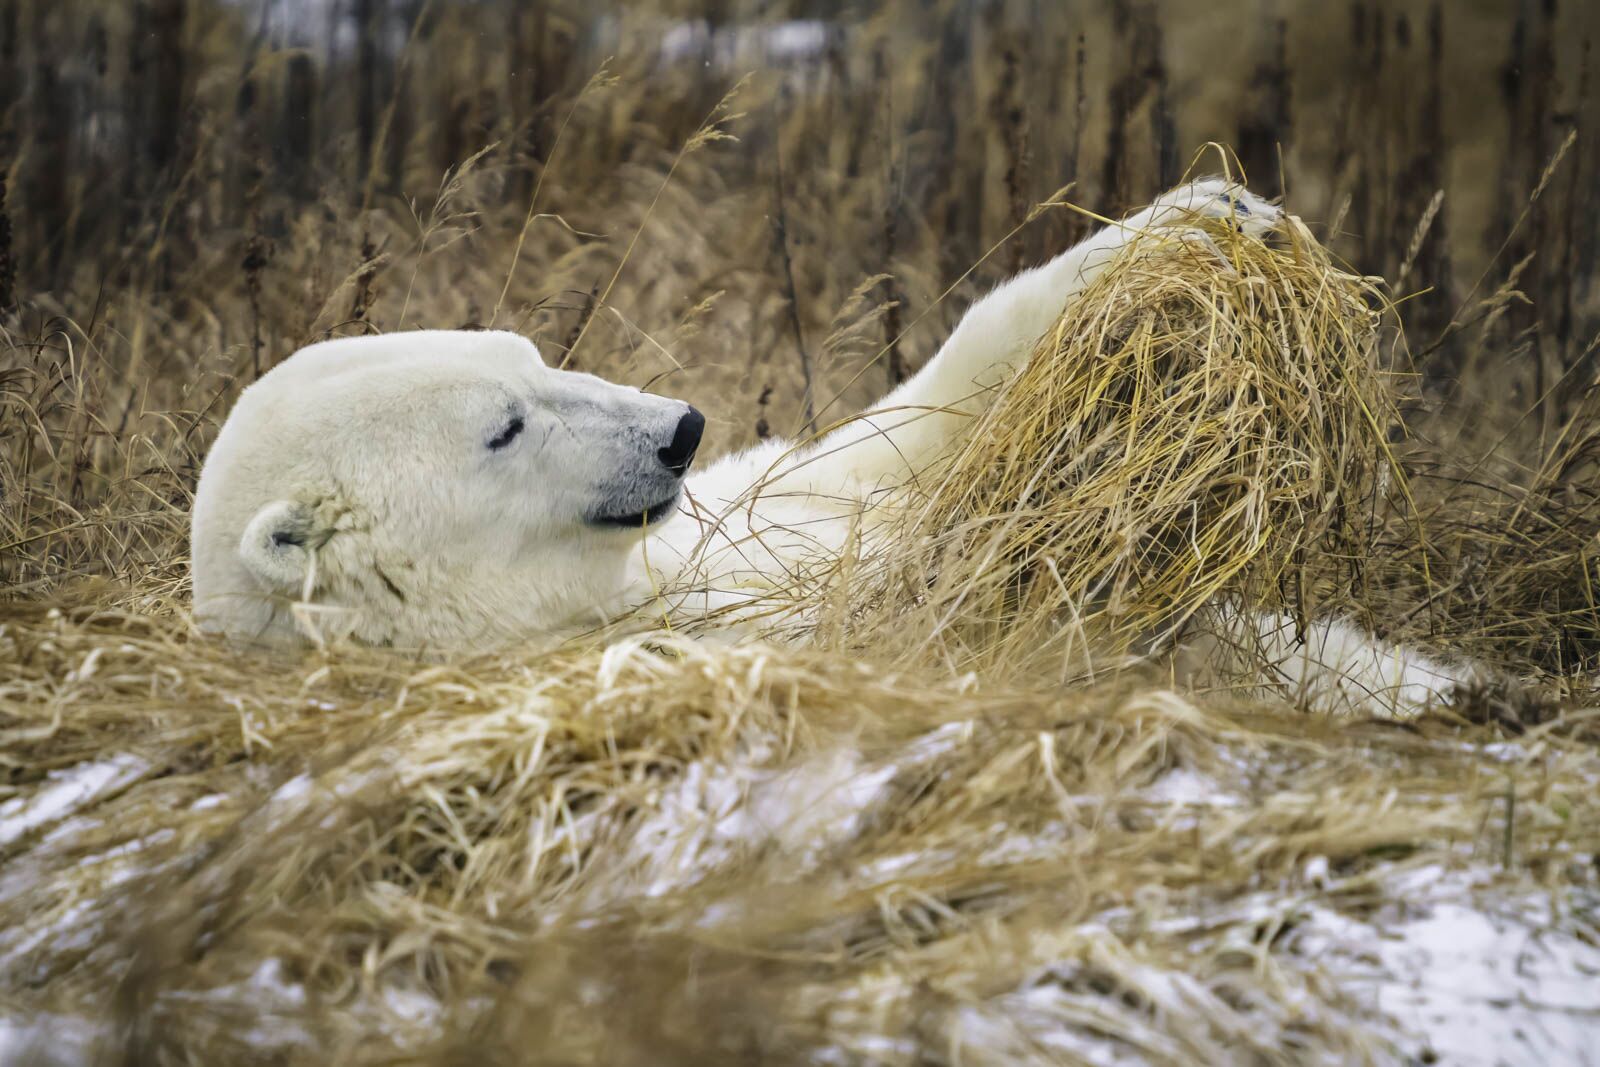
(448, 489)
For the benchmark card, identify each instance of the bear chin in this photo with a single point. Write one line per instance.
(637, 520)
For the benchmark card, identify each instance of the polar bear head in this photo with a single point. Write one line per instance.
(428, 489)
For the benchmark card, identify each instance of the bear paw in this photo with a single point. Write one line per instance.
(1217, 198)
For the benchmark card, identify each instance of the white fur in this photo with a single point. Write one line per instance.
(1330, 665)
(1326, 665)
(399, 526)
(351, 490)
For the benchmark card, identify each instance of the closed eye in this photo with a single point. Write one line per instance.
(507, 435)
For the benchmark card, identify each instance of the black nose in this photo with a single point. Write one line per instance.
(677, 456)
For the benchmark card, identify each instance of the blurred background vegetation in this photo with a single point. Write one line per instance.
(194, 188)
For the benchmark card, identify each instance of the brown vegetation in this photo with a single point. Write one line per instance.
(561, 858)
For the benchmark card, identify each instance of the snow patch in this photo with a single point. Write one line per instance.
(271, 1000)
(1501, 982)
(47, 1040)
(716, 813)
(1185, 787)
(67, 791)
(1037, 1024)
(1490, 989)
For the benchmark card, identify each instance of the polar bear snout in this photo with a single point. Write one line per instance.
(641, 497)
(679, 452)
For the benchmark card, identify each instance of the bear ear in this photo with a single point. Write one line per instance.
(278, 543)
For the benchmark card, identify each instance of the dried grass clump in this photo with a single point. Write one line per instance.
(1208, 418)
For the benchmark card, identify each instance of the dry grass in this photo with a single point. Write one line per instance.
(1206, 422)
(662, 853)
(670, 850)
(913, 842)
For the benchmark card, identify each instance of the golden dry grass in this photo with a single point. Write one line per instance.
(930, 837)
(660, 853)
(669, 850)
(1208, 421)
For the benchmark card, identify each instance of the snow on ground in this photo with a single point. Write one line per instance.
(266, 998)
(1183, 786)
(46, 1040)
(79, 923)
(1441, 964)
(1471, 976)
(1491, 983)
(1033, 1024)
(1485, 988)
(68, 790)
(715, 813)
(1448, 970)
(1181, 790)
(271, 999)
(260, 1008)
